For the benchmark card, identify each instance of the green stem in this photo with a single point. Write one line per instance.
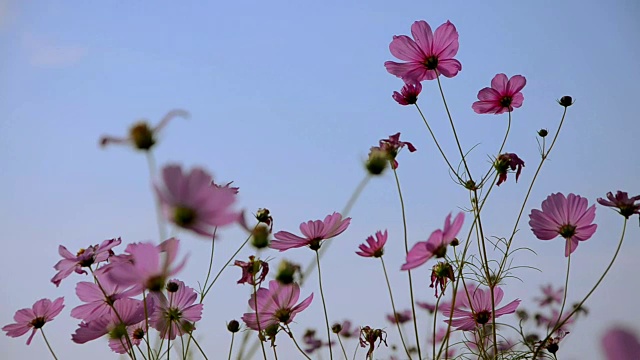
(255, 303)
(223, 268)
(344, 352)
(290, 333)
(566, 289)
(393, 307)
(231, 346)
(48, 345)
(324, 305)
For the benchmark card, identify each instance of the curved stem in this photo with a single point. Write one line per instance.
(406, 247)
(566, 289)
(290, 333)
(504, 141)
(393, 307)
(324, 305)
(48, 345)
(223, 268)
(198, 346)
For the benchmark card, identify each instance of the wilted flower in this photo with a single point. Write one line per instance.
(369, 337)
(503, 95)
(84, 258)
(392, 146)
(440, 274)
(251, 269)
(264, 216)
(507, 161)
(436, 245)
(409, 93)
(42, 311)
(468, 315)
(275, 305)
(564, 216)
(314, 231)
(373, 247)
(626, 206)
(175, 315)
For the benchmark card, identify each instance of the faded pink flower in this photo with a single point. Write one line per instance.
(427, 306)
(275, 305)
(314, 232)
(620, 344)
(626, 206)
(427, 54)
(464, 318)
(564, 216)
(392, 146)
(436, 245)
(502, 96)
(146, 266)
(42, 311)
(84, 258)
(141, 135)
(373, 247)
(550, 295)
(93, 294)
(251, 269)
(408, 95)
(174, 315)
(507, 161)
(191, 202)
(400, 317)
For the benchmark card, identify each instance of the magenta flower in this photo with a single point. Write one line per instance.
(175, 316)
(564, 216)
(191, 202)
(507, 161)
(42, 311)
(374, 247)
(147, 266)
(502, 96)
(620, 344)
(464, 318)
(93, 294)
(626, 206)
(314, 232)
(427, 54)
(392, 146)
(427, 306)
(275, 305)
(436, 245)
(550, 295)
(251, 269)
(141, 135)
(408, 95)
(400, 317)
(84, 258)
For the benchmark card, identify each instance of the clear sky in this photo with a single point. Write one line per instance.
(286, 98)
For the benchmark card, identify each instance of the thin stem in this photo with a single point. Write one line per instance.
(48, 345)
(255, 303)
(223, 268)
(287, 329)
(213, 246)
(393, 306)
(152, 173)
(231, 346)
(504, 141)
(324, 305)
(344, 352)
(566, 288)
(198, 346)
(406, 247)
(275, 354)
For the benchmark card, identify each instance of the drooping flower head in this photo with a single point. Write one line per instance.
(369, 337)
(146, 265)
(408, 95)
(373, 247)
(189, 201)
(503, 95)
(175, 313)
(464, 318)
(507, 161)
(84, 258)
(563, 216)
(42, 311)
(620, 344)
(436, 245)
(426, 53)
(314, 233)
(141, 135)
(441, 273)
(253, 272)
(277, 304)
(626, 206)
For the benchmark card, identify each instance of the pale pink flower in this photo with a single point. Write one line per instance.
(141, 135)
(84, 258)
(426, 53)
(392, 146)
(251, 269)
(400, 317)
(503, 95)
(191, 202)
(626, 206)
(175, 315)
(427, 306)
(550, 295)
(277, 304)
(146, 266)
(436, 245)
(564, 216)
(93, 294)
(620, 344)
(42, 311)
(373, 247)
(314, 232)
(408, 95)
(464, 318)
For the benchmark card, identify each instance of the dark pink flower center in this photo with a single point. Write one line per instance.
(184, 216)
(483, 317)
(283, 315)
(505, 101)
(38, 322)
(314, 244)
(431, 63)
(567, 231)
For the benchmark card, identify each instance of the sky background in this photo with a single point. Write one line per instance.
(286, 98)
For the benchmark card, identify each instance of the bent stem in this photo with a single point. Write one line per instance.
(406, 247)
(48, 345)
(324, 305)
(393, 307)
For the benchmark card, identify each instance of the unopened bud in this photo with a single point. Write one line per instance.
(377, 162)
(233, 326)
(543, 132)
(336, 328)
(260, 236)
(565, 101)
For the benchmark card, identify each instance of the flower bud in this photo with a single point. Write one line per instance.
(377, 161)
(287, 272)
(172, 286)
(233, 326)
(565, 101)
(336, 328)
(142, 136)
(260, 236)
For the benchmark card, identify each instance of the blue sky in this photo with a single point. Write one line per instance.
(286, 98)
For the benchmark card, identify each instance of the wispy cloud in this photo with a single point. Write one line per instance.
(44, 52)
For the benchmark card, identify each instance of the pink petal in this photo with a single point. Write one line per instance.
(404, 48)
(499, 84)
(421, 32)
(515, 84)
(445, 43)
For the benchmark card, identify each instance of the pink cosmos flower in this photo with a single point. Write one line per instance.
(146, 266)
(43, 311)
(564, 216)
(392, 146)
(251, 269)
(426, 53)
(314, 232)
(347, 332)
(464, 318)
(502, 96)
(117, 325)
(550, 295)
(400, 317)
(275, 305)
(427, 306)
(93, 294)
(436, 245)
(554, 319)
(374, 247)
(620, 344)
(84, 258)
(175, 315)
(141, 135)
(626, 206)
(189, 201)
(507, 161)
(408, 95)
